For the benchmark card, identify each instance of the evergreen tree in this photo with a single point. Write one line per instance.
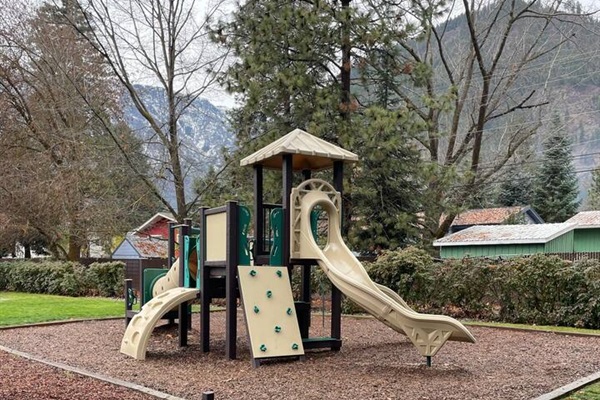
(593, 200)
(556, 186)
(292, 74)
(516, 188)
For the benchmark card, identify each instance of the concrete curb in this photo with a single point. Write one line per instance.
(570, 388)
(114, 381)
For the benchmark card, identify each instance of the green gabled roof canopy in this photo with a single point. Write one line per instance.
(309, 152)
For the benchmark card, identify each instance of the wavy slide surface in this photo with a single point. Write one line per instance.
(427, 332)
(167, 295)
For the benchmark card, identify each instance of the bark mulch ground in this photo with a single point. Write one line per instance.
(374, 363)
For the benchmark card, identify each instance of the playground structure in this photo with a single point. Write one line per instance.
(215, 255)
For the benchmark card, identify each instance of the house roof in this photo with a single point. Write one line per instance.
(483, 216)
(504, 234)
(157, 217)
(586, 219)
(309, 152)
(148, 247)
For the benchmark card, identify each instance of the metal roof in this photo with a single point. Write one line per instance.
(309, 152)
(505, 234)
(586, 219)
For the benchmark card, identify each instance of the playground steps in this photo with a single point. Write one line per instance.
(270, 314)
(135, 339)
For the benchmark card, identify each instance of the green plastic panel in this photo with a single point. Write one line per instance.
(244, 225)
(150, 276)
(276, 255)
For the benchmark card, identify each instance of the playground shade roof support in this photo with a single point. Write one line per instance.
(310, 153)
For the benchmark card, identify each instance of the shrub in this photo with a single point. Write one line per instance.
(62, 278)
(538, 289)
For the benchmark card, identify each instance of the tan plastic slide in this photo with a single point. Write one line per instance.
(427, 332)
(167, 296)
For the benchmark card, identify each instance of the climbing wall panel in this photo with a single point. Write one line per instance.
(270, 315)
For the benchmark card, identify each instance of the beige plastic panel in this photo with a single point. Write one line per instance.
(167, 282)
(427, 332)
(216, 237)
(272, 312)
(140, 328)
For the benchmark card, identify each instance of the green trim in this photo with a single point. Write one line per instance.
(276, 255)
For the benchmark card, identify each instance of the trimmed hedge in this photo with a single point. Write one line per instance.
(539, 289)
(63, 278)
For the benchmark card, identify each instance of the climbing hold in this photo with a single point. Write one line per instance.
(277, 329)
(252, 273)
(263, 347)
(269, 294)
(294, 346)
(256, 310)
(279, 273)
(288, 311)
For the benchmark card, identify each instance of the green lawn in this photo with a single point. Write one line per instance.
(27, 308)
(591, 392)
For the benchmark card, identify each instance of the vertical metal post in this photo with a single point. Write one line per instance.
(171, 251)
(288, 176)
(208, 395)
(306, 269)
(205, 296)
(128, 305)
(183, 307)
(259, 211)
(336, 295)
(231, 280)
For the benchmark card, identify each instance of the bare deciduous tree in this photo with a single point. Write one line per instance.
(472, 75)
(164, 43)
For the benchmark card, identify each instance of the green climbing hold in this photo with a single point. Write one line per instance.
(256, 310)
(263, 347)
(288, 311)
(277, 329)
(252, 273)
(269, 294)
(279, 273)
(294, 346)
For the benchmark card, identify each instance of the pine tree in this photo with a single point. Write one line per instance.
(292, 74)
(593, 200)
(556, 185)
(516, 188)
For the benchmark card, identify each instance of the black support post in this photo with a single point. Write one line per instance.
(306, 269)
(259, 212)
(231, 280)
(205, 298)
(336, 295)
(128, 302)
(171, 255)
(183, 307)
(288, 176)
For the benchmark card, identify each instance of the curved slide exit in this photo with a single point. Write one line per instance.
(427, 332)
(167, 295)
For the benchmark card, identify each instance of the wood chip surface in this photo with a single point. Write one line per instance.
(375, 363)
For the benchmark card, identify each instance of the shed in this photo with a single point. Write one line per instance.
(587, 231)
(507, 240)
(145, 247)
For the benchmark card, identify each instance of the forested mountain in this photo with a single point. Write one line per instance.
(203, 133)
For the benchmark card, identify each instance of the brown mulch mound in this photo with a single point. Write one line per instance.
(374, 363)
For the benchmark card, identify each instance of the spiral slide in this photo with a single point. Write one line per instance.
(427, 332)
(167, 295)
